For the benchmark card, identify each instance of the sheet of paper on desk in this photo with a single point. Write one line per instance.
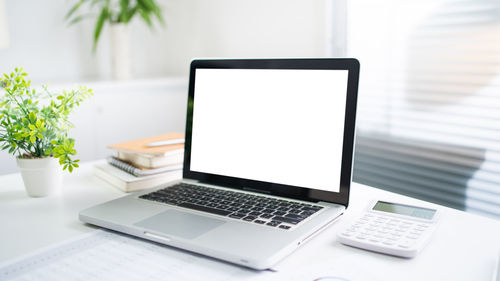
(104, 255)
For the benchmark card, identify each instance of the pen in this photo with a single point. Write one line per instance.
(165, 142)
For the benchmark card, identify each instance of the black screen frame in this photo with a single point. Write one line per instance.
(295, 192)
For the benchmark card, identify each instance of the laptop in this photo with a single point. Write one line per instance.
(267, 164)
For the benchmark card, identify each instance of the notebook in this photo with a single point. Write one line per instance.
(128, 182)
(267, 162)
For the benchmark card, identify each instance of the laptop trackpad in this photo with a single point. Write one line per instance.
(180, 224)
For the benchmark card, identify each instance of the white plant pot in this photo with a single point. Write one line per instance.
(120, 52)
(41, 176)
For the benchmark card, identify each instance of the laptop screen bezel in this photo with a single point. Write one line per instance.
(288, 191)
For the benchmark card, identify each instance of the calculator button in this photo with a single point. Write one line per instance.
(388, 242)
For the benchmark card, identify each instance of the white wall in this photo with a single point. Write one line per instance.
(49, 50)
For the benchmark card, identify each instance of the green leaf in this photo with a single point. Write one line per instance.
(32, 116)
(124, 10)
(70, 168)
(130, 15)
(103, 16)
(31, 126)
(145, 16)
(73, 9)
(32, 139)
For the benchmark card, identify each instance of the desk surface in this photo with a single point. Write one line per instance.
(464, 247)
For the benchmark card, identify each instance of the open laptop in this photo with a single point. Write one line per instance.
(267, 165)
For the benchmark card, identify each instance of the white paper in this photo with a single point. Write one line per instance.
(105, 255)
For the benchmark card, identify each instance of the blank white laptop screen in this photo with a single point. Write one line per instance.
(283, 126)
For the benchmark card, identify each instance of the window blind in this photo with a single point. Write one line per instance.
(429, 99)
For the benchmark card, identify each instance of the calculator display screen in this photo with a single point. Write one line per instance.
(406, 210)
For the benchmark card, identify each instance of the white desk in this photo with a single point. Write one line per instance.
(464, 247)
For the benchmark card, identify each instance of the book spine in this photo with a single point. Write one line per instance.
(123, 166)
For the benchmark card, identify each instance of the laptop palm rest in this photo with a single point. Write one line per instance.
(180, 224)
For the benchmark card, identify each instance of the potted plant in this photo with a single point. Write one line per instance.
(118, 14)
(34, 126)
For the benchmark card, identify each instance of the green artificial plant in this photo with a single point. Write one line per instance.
(114, 12)
(34, 124)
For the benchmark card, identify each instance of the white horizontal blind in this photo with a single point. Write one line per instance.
(429, 99)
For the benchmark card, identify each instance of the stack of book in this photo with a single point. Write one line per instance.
(144, 163)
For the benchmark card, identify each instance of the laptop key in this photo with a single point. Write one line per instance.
(237, 215)
(284, 226)
(313, 209)
(266, 216)
(249, 218)
(293, 216)
(273, 223)
(287, 220)
(279, 213)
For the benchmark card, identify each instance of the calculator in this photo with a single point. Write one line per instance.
(391, 228)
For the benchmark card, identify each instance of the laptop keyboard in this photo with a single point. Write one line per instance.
(257, 209)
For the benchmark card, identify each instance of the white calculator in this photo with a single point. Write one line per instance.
(391, 228)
